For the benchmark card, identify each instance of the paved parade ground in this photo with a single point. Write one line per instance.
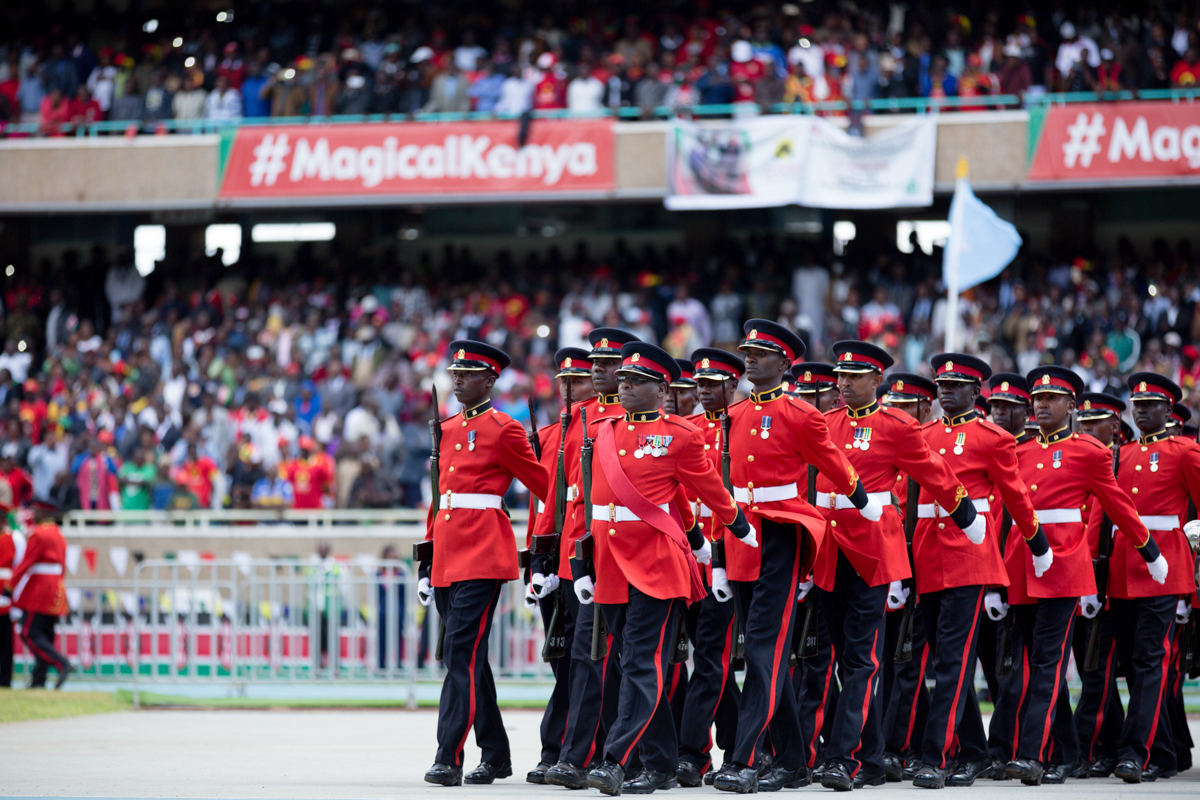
(331, 754)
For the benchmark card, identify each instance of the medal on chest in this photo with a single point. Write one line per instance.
(1057, 456)
(655, 446)
(862, 438)
(471, 440)
(959, 441)
(766, 427)
(1154, 462)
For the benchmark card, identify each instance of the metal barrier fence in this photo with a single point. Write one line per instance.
(273, 620)
(911, 105)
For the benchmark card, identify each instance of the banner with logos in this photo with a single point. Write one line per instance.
(402, 159)
(802, 160)
(1134, 141)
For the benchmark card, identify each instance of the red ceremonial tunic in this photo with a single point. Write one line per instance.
(38, 580)
(1160, 473)
(1086, 469)
(12, 553)
(889, 442)
(983, 457)
(797, 436)
(471, 543)
(710, 428)
(632, 552)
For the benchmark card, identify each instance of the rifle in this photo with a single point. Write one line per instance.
(548, 544)
(525, 557)
(423, 551)
(1004, 645)
(1091, 659)
(584, 545)
(904, 647)
(738, 656)
(808, 626)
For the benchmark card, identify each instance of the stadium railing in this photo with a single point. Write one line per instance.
(911, 105)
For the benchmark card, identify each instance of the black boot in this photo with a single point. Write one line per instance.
(487, 773)
(930, 777)
(444, 775)
(1027, 770)
(538, 773)
(966, 773)
(893, 767)
(712, 773)
(783, 778)
(607, 777)
(649, 780)
(837, 777)
(688, 774)
(1155, 772)
(736, 778)
(568, 775)
(1055, 774)
(1128, 770)
(1103, 767)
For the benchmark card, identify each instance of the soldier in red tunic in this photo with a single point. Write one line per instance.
(475, 553)
(12, 553)
(816, 384)
(1061, 470)
(38, 591)
(647, 545)
(773, 439)
(861, 568)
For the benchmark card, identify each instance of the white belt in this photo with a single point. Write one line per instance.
(5, 573)
(1049, 516)
(705, 511)
(1161, 522)
(934, 510)
(615, 513)
(572, 496)
(4, 601)
(36, 569)
(452, 500)
(765, 494)
(841, 501)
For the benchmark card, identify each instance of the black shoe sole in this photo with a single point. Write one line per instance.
(1129, 777)
(504, 773)
(929, 783)
(736, 788)
(554, 780)
(441, 782)
(671, 783)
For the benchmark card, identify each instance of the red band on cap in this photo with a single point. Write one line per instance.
(849, 357)
(1007, 388)
(1093, 405)
(685, 374)
(757, 337)
(1145, 387)
(636, 360)
(1048, 380)
(466, 355)
(813, 377)
(572, 362)
(959, 369)
(900, 387)
(707, 365)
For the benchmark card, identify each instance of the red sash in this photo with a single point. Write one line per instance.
(651, 514)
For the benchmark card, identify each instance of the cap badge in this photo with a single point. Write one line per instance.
(1087, 404)
(636, 357)
(704, 364)
(847, 356)
(567, 364)
(808, 376)
(753, 334)
(1004, 386)
(949, 366)
(461, 354)
(899, 386)
(1142, 386)
(1045, 380)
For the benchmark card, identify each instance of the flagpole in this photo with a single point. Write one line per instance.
(952, 254)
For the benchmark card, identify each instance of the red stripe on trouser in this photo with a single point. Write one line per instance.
(726, 651)
(819, 720)
(912, 712)
(483, 621)
(1058, 677)
(866, 706)
(1020, 700)
(599, 716)
(1158, 705)
(658, 683)
(676, 671)
(780, 644)
(1108, 665)
(962, 676)
(28, 640)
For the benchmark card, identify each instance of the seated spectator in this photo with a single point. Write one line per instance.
(937, 83)
(136, 477)
(450, 93)
(55, 113)
(516, 94)
(1186, 72)
(373, 488)
(224, 103)
(189, 102)
(129, 105)
(96, 476)
(273, 492)
(156, 104)
(102, 82)
(585, 92)
(355, 98)
(255, 103)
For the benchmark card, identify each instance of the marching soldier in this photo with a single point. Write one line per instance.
(1009, 404)
(816, 384)
(1060, 469)
(645, 563)
(861, 568)
(773, 438)
(474, 555)
(38, 591)
(683, 394)
(574, 375)
(1161, 474)
(954, 572)
(904, 697)
(713, 693)
(1180, 414)
(12, 553)
(593, 687)
(1098, 715)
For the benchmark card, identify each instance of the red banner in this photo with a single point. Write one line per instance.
(1103, 141)
(419, 158)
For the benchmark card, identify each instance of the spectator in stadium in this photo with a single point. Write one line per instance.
(136, 477)
(585, 92)
(96, 475)
(1075, 54)
(189, 102)
(1186, 72)
(255, 102)
(157, 102)
(1015, 75)
(55, 113)
(516, 94)
(373, 488)
(272, 492)
(450, 92)
(47, 460)
(102, 82)
(224, 103)
(486, 88)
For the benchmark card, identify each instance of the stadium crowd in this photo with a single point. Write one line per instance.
(304, 60)
(268, 385)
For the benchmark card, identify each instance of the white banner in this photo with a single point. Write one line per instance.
(802, 160)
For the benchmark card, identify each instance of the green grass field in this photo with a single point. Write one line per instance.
(25, 704)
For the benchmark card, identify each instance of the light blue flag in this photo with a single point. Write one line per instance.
(981, 244)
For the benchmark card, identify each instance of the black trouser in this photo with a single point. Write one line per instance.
(768, 607)
(1142, 629)
(951, 621)
(1046, 630)
(985, 651)
(469, 690)
(644, 728)
(1181, 735)
(713, 693)
(855, 613)
(6, 650)
(554, 719)
(37, 632)
(905, 702)
(593, 691)
(1099, 716)
(816, 688)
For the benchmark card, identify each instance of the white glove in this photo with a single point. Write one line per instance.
(543, 585)
(897, 595)
(720, 586)
(751, 538)
(803, 589)
(530, 598)
(996, 608)
(1042, 563)
(977, 530)
(1089, 604)
(585, 590)
(1158, 569)
(873, 510)
(424, 592)
(704, 554)
(1182, 611)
